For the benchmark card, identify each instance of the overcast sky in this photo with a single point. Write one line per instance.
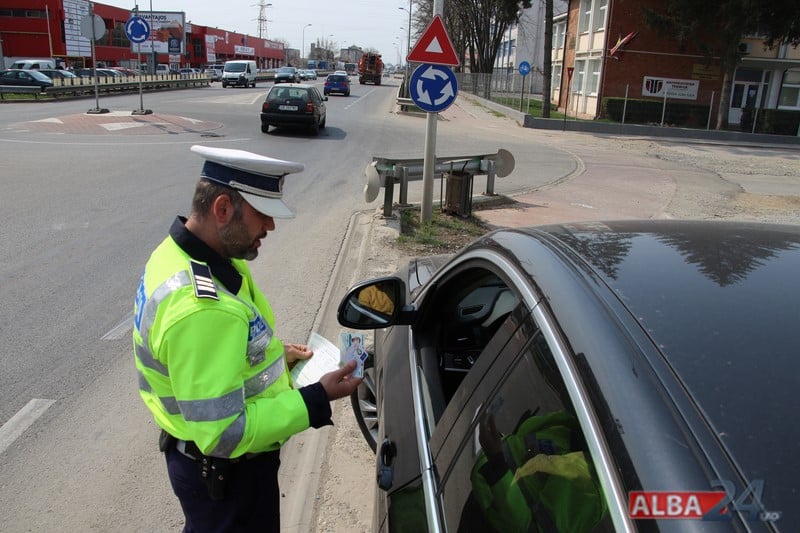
(364, 23)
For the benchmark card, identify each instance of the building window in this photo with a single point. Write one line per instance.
(599, 15)
(790, 91)
(585, 16)
(118, 36)
(578, 76)
(559, 30)
(594, 76)
(556, 75)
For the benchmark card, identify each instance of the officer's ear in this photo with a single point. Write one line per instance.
(222, 209)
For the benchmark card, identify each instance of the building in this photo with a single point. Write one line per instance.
(52, 28)
(524, 41)
(604, 49)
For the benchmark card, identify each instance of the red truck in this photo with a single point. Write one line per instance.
(370, 68)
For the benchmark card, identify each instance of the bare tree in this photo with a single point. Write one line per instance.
(547, 64)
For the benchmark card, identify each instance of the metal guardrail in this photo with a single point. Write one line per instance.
(21, 89)
(85, 86)
(386, 171)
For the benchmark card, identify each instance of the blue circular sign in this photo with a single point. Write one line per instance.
(524, 68)
(137, 29)
(433, 87)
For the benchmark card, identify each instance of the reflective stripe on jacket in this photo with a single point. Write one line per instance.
(210, 368)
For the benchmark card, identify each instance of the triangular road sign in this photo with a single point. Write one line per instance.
(434, 46)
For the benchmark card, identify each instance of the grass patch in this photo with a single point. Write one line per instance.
(444, 234)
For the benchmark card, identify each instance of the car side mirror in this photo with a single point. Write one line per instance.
(377, 303)
(325, 98)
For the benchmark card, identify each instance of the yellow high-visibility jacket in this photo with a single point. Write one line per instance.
(210, 367)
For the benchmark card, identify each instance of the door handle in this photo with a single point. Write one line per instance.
(385, 469)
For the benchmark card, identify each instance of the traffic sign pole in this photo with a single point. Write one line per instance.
(433, 48)
(137, 29)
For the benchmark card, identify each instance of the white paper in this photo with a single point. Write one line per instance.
(324, 360)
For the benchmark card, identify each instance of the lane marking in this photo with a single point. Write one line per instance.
(119, 331)
(25, 417)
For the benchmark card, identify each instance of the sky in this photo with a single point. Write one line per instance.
(365, 23)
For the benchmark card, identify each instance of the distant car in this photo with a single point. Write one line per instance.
(214, 73)
(25, 78)
(303, 74)
(295, 104)
(337, 83)
(130, 72)
(54, 73)
(287, 75)
(311, 74)
(542, 377)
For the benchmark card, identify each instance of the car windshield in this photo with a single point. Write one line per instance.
(289, 70)
(235, 67)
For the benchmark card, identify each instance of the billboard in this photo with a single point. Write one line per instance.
(672, 88)
(167, 32)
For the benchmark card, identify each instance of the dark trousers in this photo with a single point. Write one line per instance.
(252, 497)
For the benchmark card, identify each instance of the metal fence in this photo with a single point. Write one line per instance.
(507, 87)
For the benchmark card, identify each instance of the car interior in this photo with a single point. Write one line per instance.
(454, 330)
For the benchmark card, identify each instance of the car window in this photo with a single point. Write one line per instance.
(516, 459)
(458, 324)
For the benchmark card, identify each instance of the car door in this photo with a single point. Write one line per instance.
(513, 456)
(463, 320)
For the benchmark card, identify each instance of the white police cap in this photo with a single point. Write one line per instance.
(259, 179)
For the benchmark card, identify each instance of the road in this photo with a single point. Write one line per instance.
(85, 205)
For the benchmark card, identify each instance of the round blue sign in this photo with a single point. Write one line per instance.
(137, 29)
(433, 87)
(524, 68)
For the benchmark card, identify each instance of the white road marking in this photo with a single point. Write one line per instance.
(25, 417)
(52, 120)
(115, 126)
(120, 330)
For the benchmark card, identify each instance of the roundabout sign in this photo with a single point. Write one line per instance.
(433, 88)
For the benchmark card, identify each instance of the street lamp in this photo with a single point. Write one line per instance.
(303, 49)
(408, 45)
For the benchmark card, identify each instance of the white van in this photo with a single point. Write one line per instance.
(239, 72)
(27, 64)
(163, 68)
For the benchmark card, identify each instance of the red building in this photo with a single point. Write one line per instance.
(52, 28)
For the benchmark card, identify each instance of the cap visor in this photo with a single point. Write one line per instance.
(272, 207)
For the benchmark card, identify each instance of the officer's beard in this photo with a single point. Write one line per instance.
(237, 243)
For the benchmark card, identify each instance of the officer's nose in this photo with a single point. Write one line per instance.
(269, 223)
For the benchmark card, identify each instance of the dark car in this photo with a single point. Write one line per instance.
(287, 75)
(337, 83)
(25, 78)
(54, 74)
(294, 105)
(610, 376)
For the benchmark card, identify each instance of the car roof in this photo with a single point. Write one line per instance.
(709, 308)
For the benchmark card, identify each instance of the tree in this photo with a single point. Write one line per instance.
(476, 27)
(547, 63)
(718, 30)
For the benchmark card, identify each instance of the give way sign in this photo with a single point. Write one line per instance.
(435, 46)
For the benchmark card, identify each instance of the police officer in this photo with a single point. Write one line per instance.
(211, 369)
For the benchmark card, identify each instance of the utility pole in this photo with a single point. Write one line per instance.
(262, 18)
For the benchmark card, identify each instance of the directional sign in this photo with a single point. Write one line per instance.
(434, 46)
(137, 29)
(433, 87)
(524, 68)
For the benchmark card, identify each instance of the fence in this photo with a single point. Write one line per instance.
(507, 87)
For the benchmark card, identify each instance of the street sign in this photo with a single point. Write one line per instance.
(433, 88)
(524, 68)
(570, 70)
(434, 46)
(93, 27)
(137, 29)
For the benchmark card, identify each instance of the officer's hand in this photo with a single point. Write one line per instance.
(339, 383)
(296, 352)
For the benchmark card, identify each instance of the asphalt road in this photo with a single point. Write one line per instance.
(85, 200)
(84, 205)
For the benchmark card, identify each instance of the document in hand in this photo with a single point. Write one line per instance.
(325, 359)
